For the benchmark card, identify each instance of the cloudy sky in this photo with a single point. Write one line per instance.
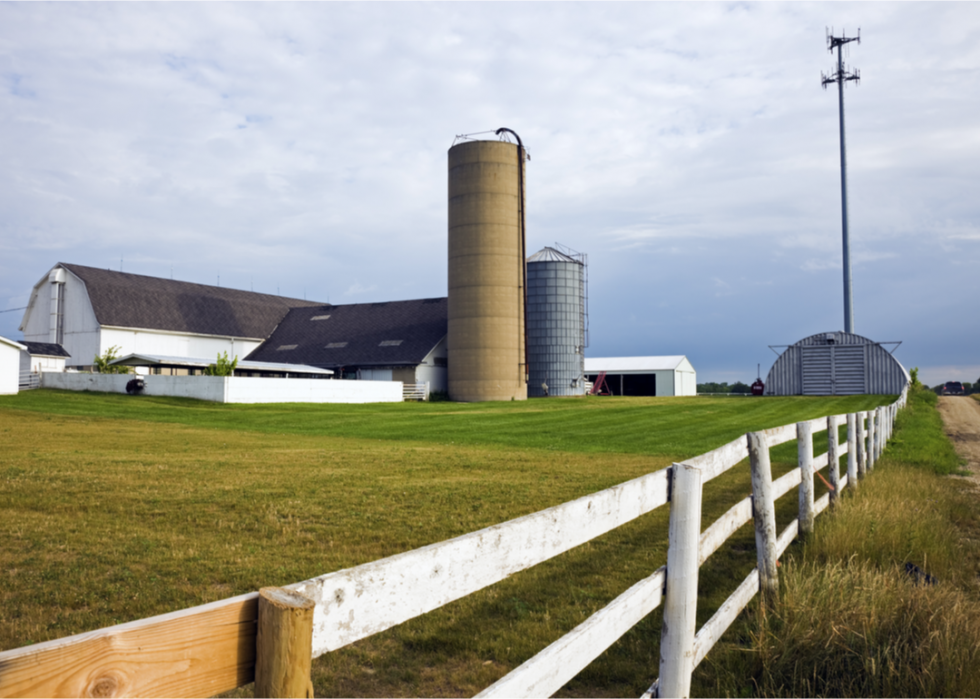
(687, 148)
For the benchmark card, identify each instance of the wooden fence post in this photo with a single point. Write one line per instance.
(764, 513)
(862, 456)
(681, 601)
(284, 644)
(804, 454)
(833, 460)
(872, 439)
(852, 451)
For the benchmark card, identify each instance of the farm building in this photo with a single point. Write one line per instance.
(836, 364)
(390, 341)
(644, 376)
(87, 310)
(42, 356)
(10, 353)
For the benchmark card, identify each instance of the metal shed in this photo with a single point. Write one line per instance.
(836, 364)
(645, 376)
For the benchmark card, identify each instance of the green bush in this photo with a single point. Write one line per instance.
(223, 366)
(103, 366)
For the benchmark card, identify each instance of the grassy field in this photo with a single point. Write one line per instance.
(117, 508)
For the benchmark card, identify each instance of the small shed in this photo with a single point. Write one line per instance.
(42, 356)
(10, 352)
(836, 364)
(645, 376)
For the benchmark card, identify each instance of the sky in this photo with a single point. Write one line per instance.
(687, 148)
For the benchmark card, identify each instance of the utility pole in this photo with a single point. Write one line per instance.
(840, 76)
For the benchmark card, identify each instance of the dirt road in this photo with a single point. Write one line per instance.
(961, 415)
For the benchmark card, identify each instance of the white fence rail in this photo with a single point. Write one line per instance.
(29, 380)
(358, 602)
(415, 391)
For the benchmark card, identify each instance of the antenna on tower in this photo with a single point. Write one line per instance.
(841, 76)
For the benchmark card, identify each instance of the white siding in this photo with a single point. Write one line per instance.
(157, 342)
(9, 366)
(81, 329)
(236, 389)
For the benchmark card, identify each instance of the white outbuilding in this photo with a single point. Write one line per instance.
(10, 353)
(644, 376)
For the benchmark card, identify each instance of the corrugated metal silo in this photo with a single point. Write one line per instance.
(555, 324)
(836, 364)
(486, 272)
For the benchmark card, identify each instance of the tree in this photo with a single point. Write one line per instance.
(222, 366)
(104, 367)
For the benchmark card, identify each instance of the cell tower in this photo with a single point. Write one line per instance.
(840, 76)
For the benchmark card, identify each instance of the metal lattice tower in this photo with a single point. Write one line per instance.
(840, 76)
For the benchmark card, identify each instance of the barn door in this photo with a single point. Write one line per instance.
(849, 370)
(816, 365)
(832, 370)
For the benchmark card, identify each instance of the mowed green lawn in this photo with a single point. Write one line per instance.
(114, 508)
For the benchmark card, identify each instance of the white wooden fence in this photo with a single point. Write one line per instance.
(415, 391)
(179, 654)
(29, 380)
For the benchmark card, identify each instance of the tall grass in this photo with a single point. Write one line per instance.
(851, 620)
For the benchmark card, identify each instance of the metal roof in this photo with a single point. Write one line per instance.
(125, 300)
(138, 359)
(615, 365)
(551, 255)
(392, 333)
(45, 349)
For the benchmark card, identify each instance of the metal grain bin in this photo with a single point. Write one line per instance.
(485, 339)
(555, 324)
(836, 364)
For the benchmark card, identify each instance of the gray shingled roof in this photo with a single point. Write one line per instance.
(395, 333)
(45, 349)
(138, 301)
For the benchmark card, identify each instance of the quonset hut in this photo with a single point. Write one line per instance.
(836, 364)
(555, 324)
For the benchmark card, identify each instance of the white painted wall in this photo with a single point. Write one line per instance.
(9, 366)
(686, 383)
(243, 389)
(437, 376)
(35, 364)
(167, 344)
(235, 389)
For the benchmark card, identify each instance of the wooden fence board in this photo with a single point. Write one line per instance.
(726, 525)
(780, 435)
(786, 538)
(556, 665)
(717, 461)
(357, 602)
(196, 652)
(786, 483)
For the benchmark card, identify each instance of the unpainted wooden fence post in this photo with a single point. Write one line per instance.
(862, 456)
(284, 644)
(764, 513)
(804, 452)
(852, 450)
(681, 600)
(833, 460)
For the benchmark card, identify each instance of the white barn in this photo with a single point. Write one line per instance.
(645, 376)
(87, 310)
(10, 353)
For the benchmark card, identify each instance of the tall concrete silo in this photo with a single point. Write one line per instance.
(556, 323)
(487, 354)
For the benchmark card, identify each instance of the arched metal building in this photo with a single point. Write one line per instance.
(485, 338)
(836, 364)
(555, 324)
